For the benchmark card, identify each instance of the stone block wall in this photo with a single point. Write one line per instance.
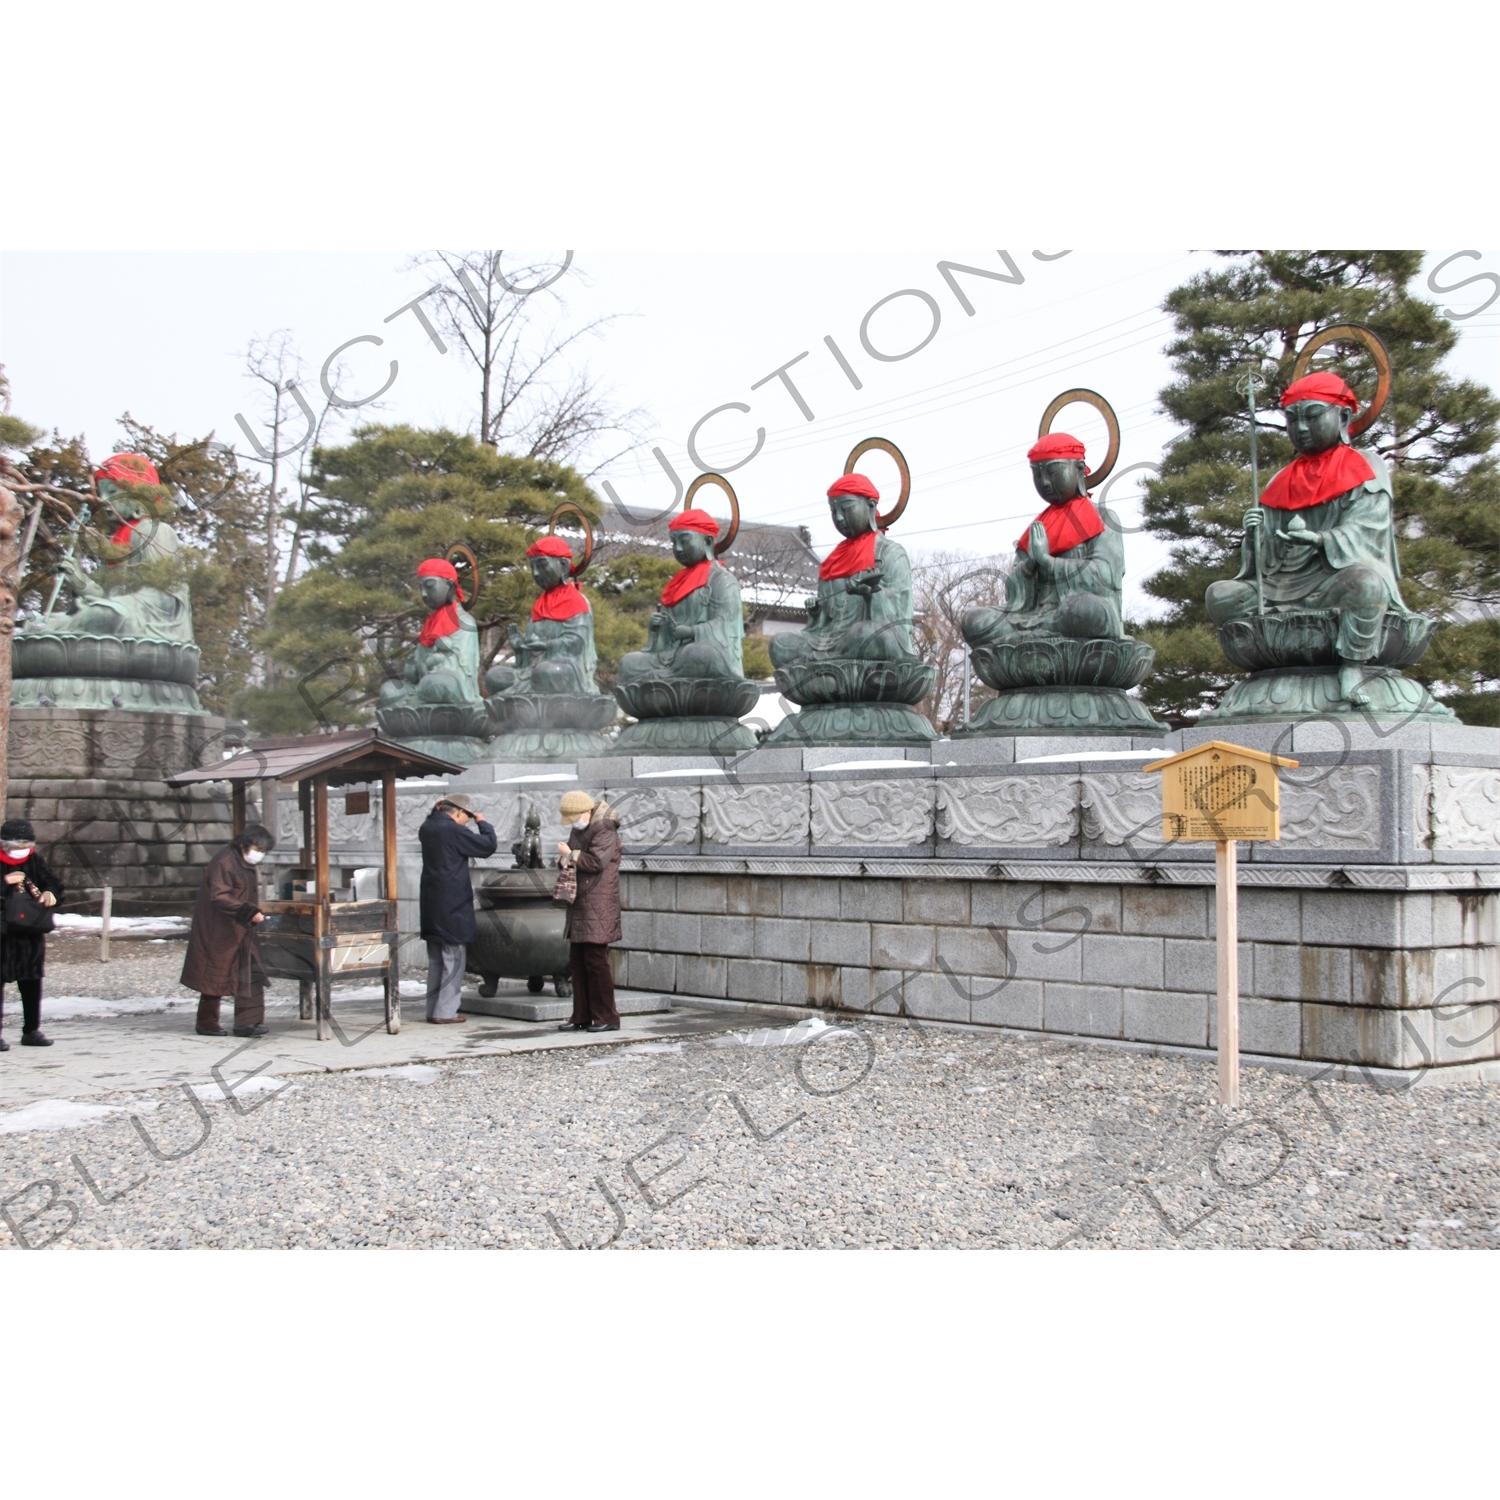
(91, 783)
(1387, 979)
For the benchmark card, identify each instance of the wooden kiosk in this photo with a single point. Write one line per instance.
(315, 936)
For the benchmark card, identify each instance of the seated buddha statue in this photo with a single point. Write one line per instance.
(555, 653)
(436, 704)
(545, 702)
(126, 639)
(687, 686)
(1069, 570)
(854, 668)
(862, 610)
(117, 600)
(1319, 578)
(1055, 650)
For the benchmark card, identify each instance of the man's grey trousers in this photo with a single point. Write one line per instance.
(445, 979)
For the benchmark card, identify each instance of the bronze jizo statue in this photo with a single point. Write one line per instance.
(1315, 612)
(854, 668)
(1056, 651)
(687, 688)
(127, 642)
(436, 706)
(548, 704)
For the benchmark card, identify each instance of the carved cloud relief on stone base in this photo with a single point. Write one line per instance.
(872, 812)
(1013, 811)
(772, 814)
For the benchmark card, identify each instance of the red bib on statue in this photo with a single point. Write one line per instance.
(855, 554)
(561, 603)
(680, 585)
(1066, 525)
(1312, 478)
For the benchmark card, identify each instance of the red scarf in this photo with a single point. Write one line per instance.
(680, 585)
(122, 536)
(13, 861)
(560, 603)
(1066, 525)
(441, 622)
(855, 554)
(1312, 478)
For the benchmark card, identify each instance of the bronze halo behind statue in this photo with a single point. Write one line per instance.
(1055, 650)
(579, 568)
(686, 688)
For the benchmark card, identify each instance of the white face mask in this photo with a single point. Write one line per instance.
(254, 856)
(24, 852)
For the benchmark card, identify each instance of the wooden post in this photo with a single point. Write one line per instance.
(321, 914)
(1227, 901)
(106, 905)
(392, 903)
(238, 794)
(304, 802)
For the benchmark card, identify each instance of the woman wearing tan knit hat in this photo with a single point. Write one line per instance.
(594, 917)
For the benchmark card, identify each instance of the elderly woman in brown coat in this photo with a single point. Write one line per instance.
(223, 957)
(594, 917)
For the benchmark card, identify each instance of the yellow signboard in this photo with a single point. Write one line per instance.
(1216, 792)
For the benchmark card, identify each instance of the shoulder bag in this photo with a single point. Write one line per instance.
(24, 911)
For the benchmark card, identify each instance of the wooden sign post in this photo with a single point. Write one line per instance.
(1223, 793)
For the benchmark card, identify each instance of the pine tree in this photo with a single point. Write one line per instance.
(1438, 434)
(385, 500)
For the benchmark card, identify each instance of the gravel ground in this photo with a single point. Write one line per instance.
(894, 1134)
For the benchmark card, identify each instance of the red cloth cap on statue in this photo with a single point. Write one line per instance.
(1055, 445)
(853, 484)
(694, 520)
(550, 546)
(444, 619)
(128, 468)
(1324, 386)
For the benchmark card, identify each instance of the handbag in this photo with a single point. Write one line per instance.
(567, 884)
(24, 911)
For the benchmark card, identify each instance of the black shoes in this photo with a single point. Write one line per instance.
(4, 1045)
(212, 1031)
(572, 1026)
(250, 1031)
(35, 1039)
(614, 1027)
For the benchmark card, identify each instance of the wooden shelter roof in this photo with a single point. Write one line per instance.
(354, 755)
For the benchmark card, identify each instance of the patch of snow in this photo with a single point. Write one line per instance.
(698, 771)
(639, 1048)
(95, 1007)
(179, 926)
(261, 1083)
(1044, 760)
(407, 1073)
(783, 1036)
(59, 1114)
(867, 765)
(549, 776)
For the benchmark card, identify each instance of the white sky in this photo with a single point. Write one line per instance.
(86, 336)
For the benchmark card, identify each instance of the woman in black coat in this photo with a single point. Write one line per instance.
(23, 955)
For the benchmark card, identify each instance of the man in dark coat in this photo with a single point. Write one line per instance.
(594, 917)
(223, 956)
(452, 835)
(23, 955)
